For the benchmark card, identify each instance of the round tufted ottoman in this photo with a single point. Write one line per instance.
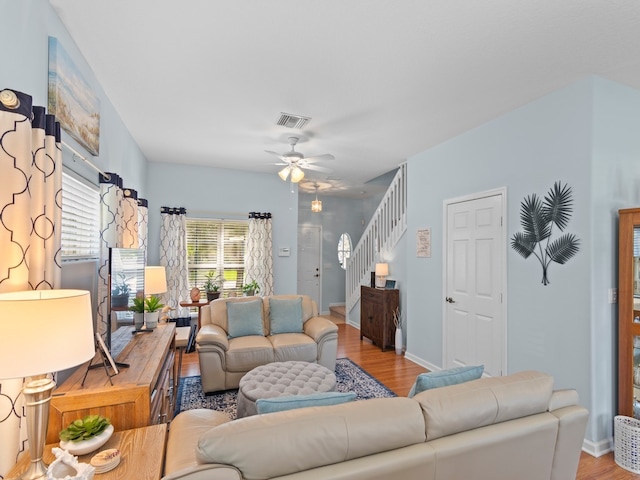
(281, 379)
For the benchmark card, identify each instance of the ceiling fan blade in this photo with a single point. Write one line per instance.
(318, 158)
(317, 168)
(275, 154)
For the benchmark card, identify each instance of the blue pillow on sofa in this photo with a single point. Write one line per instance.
(244, 318)
(280, 404)
(444, 378)
(285, 315)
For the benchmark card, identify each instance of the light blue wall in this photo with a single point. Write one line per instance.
(582, 135)
(230, 194)
(615, 184)
(339, 215)
(26, 26)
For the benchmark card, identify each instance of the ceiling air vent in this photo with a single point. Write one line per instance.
(292, 121)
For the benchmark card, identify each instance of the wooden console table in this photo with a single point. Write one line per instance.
(141, 395)
(141, 449)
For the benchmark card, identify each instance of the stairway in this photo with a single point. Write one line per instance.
(337, 313)
(387, 225)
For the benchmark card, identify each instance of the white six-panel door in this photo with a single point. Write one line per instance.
(474, 323)
(309, 262)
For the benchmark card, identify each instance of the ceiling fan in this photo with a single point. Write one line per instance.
(295, 162)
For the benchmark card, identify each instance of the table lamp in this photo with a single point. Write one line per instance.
(155, 280)
(43, 331)
(382, 270)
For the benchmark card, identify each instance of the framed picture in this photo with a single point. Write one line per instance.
(390, 284)
(72, 100)
(105, 353)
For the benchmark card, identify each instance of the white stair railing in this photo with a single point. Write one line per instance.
(388, 224)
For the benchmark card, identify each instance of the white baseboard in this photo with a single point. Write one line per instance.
(423, 363)
(597, 449)
(339, 304)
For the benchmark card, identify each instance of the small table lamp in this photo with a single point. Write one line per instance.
(155, 280)
(382, 270)
(43, 331)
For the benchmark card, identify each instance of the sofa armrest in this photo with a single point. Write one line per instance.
(210, 471)
(319, 327)
(213, 335)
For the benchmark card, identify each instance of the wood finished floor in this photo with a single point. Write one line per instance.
(398, 374)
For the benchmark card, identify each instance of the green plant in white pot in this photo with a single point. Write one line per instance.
(152, 307)
(138, 312)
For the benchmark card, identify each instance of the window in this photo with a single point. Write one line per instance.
(344, 249)
(217, 246)
(80, 233)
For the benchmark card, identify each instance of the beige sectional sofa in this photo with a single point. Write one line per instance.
(224, 360)
(503, 428)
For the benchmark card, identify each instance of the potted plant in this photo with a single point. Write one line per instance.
(138, 312)
(120, 292)
(152, 307)
(250, 289)
(212, 285)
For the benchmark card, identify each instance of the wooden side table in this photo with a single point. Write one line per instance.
(197, 305)
(142, 454)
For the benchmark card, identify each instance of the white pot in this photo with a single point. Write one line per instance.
(399, 341)
(87, 446)
(138, 320)
(151, 319)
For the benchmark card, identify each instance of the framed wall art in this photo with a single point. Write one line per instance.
(71, 100)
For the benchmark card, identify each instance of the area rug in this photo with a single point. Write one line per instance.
(350, 378)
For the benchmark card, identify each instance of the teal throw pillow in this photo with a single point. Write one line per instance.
(444, 378)
(279, 404)
(285, 315)
(244, 318)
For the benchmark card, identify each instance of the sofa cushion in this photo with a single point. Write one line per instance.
(444, 378)
(484, 402)
(260, 446)
(246, 353)
(280, 404)
(294, 346)
(285, 315)
(244, 318)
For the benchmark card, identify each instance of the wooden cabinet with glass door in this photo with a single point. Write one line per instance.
(629, 313)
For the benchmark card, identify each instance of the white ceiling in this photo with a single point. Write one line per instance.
(202, 82)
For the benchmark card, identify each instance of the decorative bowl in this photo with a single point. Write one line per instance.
(87, 446)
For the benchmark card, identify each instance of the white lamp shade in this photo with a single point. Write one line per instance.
(44, 331)
(155, 280)
(382, 269)
(296, 174)
(284, 173)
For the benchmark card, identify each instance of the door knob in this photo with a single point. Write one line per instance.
(450, 300)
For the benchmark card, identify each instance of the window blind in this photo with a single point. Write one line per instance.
(80, 233)
(216, 246)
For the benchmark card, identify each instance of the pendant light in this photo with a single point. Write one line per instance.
(316, 205)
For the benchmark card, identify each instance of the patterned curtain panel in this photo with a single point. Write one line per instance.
(130, 218)
(143, 226)
(118, 229)
(173, 256)
(259, 253)
(30, 197)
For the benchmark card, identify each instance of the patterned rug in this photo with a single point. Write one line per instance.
(350, 378)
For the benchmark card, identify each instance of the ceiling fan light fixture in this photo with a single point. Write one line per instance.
(296, 174)
(284, 173)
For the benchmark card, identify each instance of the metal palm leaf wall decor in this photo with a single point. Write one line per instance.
(538, 218)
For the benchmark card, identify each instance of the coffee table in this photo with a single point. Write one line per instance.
(141, 449)
(281, 379)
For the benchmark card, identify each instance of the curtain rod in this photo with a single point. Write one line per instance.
(84, 159)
